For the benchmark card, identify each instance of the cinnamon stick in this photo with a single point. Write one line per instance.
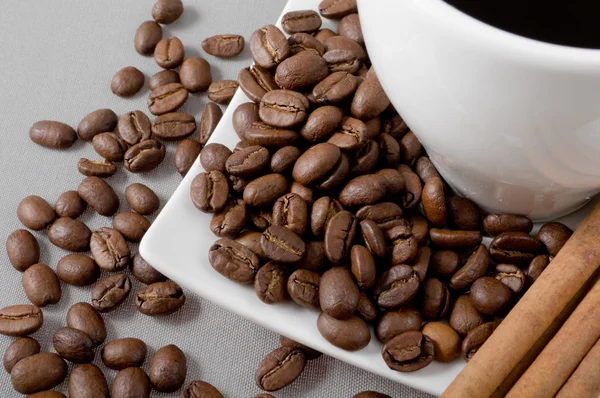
(585, 381)
(564, 352)
(535, 319)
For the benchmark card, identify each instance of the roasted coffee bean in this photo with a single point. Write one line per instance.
(248, 161)
(186, 154)
(314, 257)
(280, 368)
(84, 317)
(337, 175)
(351, 135)
(396, 287)
(370, 100)
(426, 170)
(41, 285)
(284, 159)
(342, 59)
(231, 221)
(366, 159)
(38, 372)
(408, 352)
(132, 226)
(339, 236)
(224, 46)
(389, 150)
(269, 46)
(301, 71)
(363, 190)
(393, 181)
(282, 245)
(475, 267)
(349, 27)
(87, 381)
(373, 128)
(304, 42)
(363, 266)
(35, 213)
(392, 323)
(214, 157)
(554, 235)
(512, 276)
(238, 184)
(385, 214)
(20, 320)
(256, 81)
(110, 292)
(145, 156)
(168, 368)
(99, 195)
(283, 108)
(290, 211)
(495, 224)
(147, 37)
(371, 394)
(251, 239)
(455, 240)
(303, 288)
(323, 210)
(464, 317)
(73, 345)
(489, 296)
(109, 249)
(396, 127)
(144, 272)
(23, 249)
(309, 353)
(265, 190)
(475, 339)
(98, 168)
(167, 98)
(536, 267)
(195, 74)
(167, 11)
(210, 191)
(163, 77)
(412, 196)
(174, 126)
(110, 146)
(366, 309)
(22, 347)
(337, 9)
(52, 134)
(126, 83)
(445, 263)
(169, 53)
(131, 383)
(436, 299)
(244, 117)
(350, 334)
(463, 213)
(141, 199)
(420, 228)
(260, 133)
(270, 283)
(445, 340)
(515, 248)
(402, 230)
(69, 234)
(99, 121)
(410, 149)
(421, 264)
(201, 389)
(338, 293)
(434, 202)
(161, 298)
(306, 21)
(222, 91)
(404, 250)
(321, 124)
(69, 204)
(134, 127)
(305, 193)
(233, 260)
(373, 237)
(323, 34)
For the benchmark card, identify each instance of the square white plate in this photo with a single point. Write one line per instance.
(177, 245)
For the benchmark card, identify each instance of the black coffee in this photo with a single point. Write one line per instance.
(571, 23)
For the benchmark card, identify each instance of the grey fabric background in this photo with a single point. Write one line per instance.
(57, 59)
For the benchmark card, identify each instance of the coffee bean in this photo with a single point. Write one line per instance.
(147, 37)
(210, 119)
(41, 285)
(463, 213)
(132, 226)
(385, 214)
(110, 146)
(536, 267)
(350, 334)
(515, 248)
(224, 46)
(174, 126)
(490, 296)
(195, 74)
(321, 124)
(322, 210)
(455, 240)
(69, 234)
(314, 257)
(282, 245)
(99, 121)
(408, 352)
(69, 204)
(127, 82)
(51, 134)
(303, 288)
(338, 293)
(73, 345)
(426, 170)
(256, 81)
(131, 383)
(393, 181)
(161, 298)
(371, 394)
(87, 381)
(231, 220)
(336, 42)
(309, 353)
(47, 394)
(420, 228)
(351, 135)
(475, 267)
(283, 108)
(23, 249)
(445, 340)
(393, 323)
(269, 46)
(260, 133)
(373, 128)
(396, 286)
(306, 21)
(145, 156)
(495, 224)
(404, 246)
(143, 272)
(201, 389)
(222, 91)
(99, 196)
(342, 60)
(141, 199)
(110, 292)
(304, 42)
(316, 163)
(209, 191)
(512, 276)
(38, 372)
(436, 299)
(167, 11)
(374, 238)
(169, 53)
(163, 77)
(168, 368)
(265, 190)
(167, 98)
(554, 235)
(35, 213)
(98, 168)
(323, 34)
(109, 249)
(349, 27)
(475, 339)
(337, 9)
(233, 260)
(339, 236)
(464, 317)
(251, 239)
(290, 211)
(389, 150)
(214, 157)
(247, 162)
(445, 263)
(186, 154)
(410, 149)
(84, 317)
(370, 100)
(395, 126)
(363, 266)
(284, 159)
(301, 71)
(421, 264)
(434, 202)
(280, 368)
(366, 309)
(20, 320)
(363, 190)
(134, 127)
(22, 347)
(412, 196)
(270, 283)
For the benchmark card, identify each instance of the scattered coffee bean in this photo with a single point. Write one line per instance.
(351, 135)
(475, 267)
(69, 204)
(23, 249)
(306, 21)
(445, 340)
(99, 195)
(255, 81)
(233, 260)
(350, 334)
(134, 127)
(420, 228)
(396, 287)
(167, 98)
(337, 9)
(173, 126)
(554, 235)
(144, 272)
(86, 381)
(283, 108)
(167, 11)
(110, 292)
(265, 190)
(392, 323)
(214, 156)
(211, 115)
(426, 170)
(463, 214)
(109, 249)
(163, 77)
(22, 347)
(392, 180)
(301, 71)
(73, 345)
(168, 368)
(147, 37)
(436, 299)
(145, 156)
(186, 154)
(35, 213)
(512, 276)
(349, 27)
(201, 389)
(305, 42)
(495, 224)
(132, 226)
(389, 155)
(169, 53)
(110, 146)
(84, 317)
(284, 159)
(98, 168)
(434, 202)
(260, 133)
(455, 240)
(38, 372)
(251, 239)
(370, 100)
(410, 148)
(363, 266)
(475, 339)
(270, 283)
(195, 74)
(414, 189)
(41, 285)
(303, 288)
(142, 199)
(464, 317)
(291, 211)
(99, 121)
(515, 248)
(127, 82)
(536, 267)
(366, 309)
(269, 46)
(282, 245)
(321, 124)
(421, 264)
(124, 353)
(20, 320)
(69, 234)
(222, 91)
(161, 298)
(386, 214)
(210, 191)
(338, 293)
(323, 34)
(309, 353)
(489, 296)
(408, 352)
(52, 134)
(280, 368)
(374, 238)
(131, 383)
(445, 263)
(363, 190)
(224, 46)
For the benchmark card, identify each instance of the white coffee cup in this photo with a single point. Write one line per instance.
(510, 122)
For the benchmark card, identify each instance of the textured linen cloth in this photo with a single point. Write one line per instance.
(57, 60)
